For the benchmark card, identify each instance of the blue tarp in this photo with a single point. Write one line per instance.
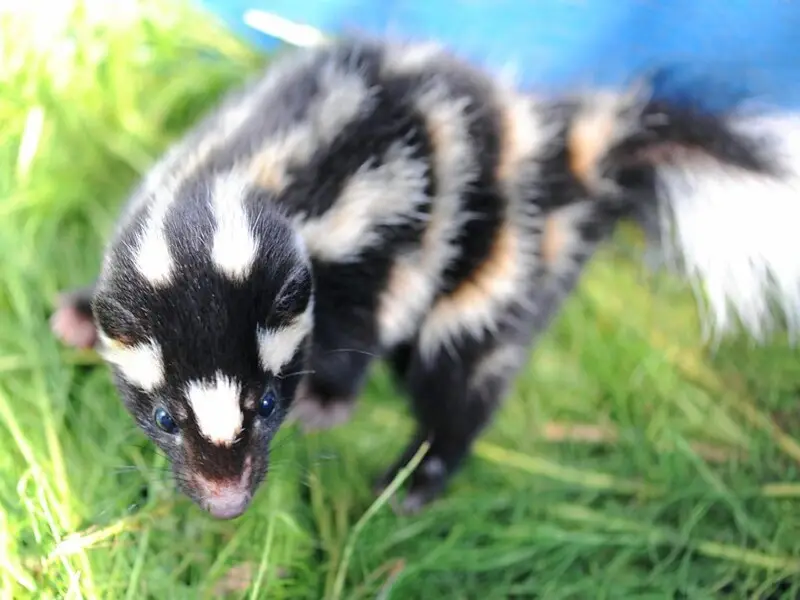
(748, 46)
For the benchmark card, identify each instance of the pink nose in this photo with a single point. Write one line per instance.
(225, 498)
(227, 503)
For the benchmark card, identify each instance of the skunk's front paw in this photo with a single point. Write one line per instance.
(425, 484)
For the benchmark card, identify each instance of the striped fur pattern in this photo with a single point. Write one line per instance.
(358, 201)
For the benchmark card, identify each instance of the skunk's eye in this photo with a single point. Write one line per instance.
(165, 421)
(267, 404)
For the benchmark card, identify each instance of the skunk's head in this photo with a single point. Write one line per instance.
(204, 312)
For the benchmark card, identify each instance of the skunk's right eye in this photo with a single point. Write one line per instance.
(165, 421)
(267, 404)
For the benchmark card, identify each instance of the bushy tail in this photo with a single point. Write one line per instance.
(727, 198)
(737, 233)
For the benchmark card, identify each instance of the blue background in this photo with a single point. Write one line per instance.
(747, 47)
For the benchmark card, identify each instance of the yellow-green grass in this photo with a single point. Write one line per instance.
(629, 462)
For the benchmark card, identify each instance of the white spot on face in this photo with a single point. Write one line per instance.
(141, 365)
(216, 407)
(276, 347)
(390, 194)
(234, 245)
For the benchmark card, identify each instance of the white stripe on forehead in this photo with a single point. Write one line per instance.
(153, 258)
(141, 365)
(234, 247)
(276, 347)
(216, 408)
(188, 157)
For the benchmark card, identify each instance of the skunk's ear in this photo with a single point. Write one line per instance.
(611, 135)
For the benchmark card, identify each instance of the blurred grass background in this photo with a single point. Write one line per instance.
(630, 462)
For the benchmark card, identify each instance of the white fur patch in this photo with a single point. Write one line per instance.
(415, 278)
(276, 347)
(234, 246)
(389, 194)
(408, 293)
(455, 167)
(474, 307)
(736, 235)
(216, 407)
(181, 162)
(269, 165)
(141, 365)
(342, 98)
(153, 258)
(526, 139)
(525, 136)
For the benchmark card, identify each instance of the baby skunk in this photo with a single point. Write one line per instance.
(367, 200)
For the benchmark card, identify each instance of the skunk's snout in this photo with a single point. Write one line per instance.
(225, 498)
(227, 502)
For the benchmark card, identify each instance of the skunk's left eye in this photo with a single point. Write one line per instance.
(165, 421)
(267, 404)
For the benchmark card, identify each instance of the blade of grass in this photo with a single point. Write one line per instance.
(377, 505)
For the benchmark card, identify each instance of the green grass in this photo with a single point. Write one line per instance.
(630, 462)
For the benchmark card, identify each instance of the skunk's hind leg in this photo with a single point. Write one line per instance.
(454, 393)
(471, 347)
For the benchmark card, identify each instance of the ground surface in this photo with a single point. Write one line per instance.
(629, 463)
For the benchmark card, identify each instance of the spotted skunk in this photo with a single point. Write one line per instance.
(364, 200)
